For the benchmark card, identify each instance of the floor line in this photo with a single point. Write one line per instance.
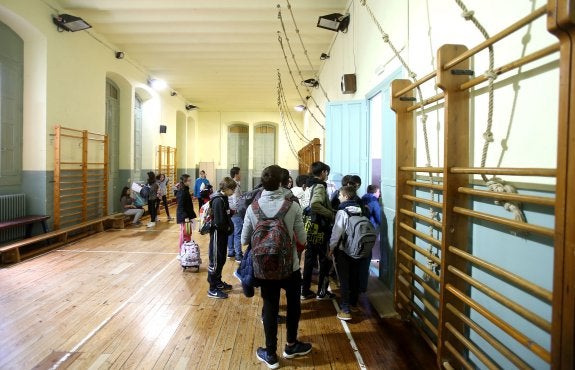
(119, 252)
(108, 319)
(351, 340)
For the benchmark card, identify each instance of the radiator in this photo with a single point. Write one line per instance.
(12, 206)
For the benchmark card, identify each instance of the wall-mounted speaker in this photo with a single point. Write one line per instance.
(163, 129)
(348, 85)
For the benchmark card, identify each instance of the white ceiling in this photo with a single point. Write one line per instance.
(218, 54)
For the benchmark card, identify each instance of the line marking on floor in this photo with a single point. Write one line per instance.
(351, 340)
(107, 320)
(119, 252)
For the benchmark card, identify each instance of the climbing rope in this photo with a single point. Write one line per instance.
(304, 101)
(316, 76)
(432, 213)
(296, 63)
(495, 183)
(284, 105)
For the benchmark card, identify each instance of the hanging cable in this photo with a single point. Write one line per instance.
(296, 63)
(304, 101)
(316, 75)
(300, 135)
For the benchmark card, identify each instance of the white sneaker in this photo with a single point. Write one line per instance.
(151, 224)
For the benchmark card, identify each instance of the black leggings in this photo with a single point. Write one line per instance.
(152, 209)
(164, 200)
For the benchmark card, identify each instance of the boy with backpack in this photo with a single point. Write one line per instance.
(271, 225)
(352, 238)
(222, 227)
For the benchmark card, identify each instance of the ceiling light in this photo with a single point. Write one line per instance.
(334, 22)
(157, 84)
(70, 23)
(191, 106)
(299, 108)
(324, 56)
(310, 82)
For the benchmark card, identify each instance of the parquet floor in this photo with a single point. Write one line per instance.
(119, 299)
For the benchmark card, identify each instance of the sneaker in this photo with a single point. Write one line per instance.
(218, 294)
(345, 316)
(231, 255)
(325, 295)
(271, 360)
(222, 285)
(281, 319)
(136, 224)
(151, 224)
(307, 295)
(239, 259)
(298, 349)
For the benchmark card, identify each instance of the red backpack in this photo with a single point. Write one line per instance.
(272, 246)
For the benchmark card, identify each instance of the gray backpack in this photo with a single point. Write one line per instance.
(360, 236)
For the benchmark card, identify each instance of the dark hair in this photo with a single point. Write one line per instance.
(124, 192)
(372, 188)
(151, 177)
(158, 176)
(234, 171)
(356, 180)
(348, 191)
(228, 183)
(202, 171)
(345, 180)
(301, 180)
(184, 178)
(272, 177)
(318, 167)
(285, 177)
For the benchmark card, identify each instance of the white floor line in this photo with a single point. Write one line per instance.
(351, 340)
(118, 252)
(107, 320)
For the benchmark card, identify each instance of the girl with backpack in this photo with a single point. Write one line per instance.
(185, 208)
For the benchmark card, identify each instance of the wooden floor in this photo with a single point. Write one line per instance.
(119, 299)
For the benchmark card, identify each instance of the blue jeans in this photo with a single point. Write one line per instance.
(235, 240)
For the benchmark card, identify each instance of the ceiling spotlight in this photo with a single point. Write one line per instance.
(119, 55)
(310, 82)
(299, 108)
(157, 84)
(191, 106)
(334, 22)
(70, 23)
(324, 56)
(173, 93)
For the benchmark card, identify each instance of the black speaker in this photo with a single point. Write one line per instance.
(348, 85)
(163, 129)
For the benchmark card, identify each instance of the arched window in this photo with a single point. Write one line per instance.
(238, 146)
(137, 135)
(11, 105)
(113, 131)
(264, 147)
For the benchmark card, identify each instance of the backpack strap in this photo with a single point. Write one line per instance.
(257, 210)
(280, 214)
(284, 208)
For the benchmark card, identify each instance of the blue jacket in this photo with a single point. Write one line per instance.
(374, 209)
(198, 184)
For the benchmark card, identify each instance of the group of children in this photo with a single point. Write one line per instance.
(316, 224)
(156, 190)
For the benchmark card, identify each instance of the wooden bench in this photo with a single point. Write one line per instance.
(27, 221)
(63, 236)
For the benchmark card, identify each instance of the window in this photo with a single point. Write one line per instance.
(238, 146)
(264, 147)
(137, 135)
(11, 106)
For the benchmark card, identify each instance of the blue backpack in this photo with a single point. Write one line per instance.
(145, 192)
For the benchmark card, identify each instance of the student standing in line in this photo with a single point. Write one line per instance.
(185, 209)
(162, 194)
(198, 187)
(299, 190)
(222, 228)
(234, 241)
(318, 238)
(129, 207)
(371, 201)
(271, 201)
(347, 267)
(152, 197)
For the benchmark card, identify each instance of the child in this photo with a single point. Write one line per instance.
(185, 209)
(162, 194)
(152, 197)
(299, 190)
(129, 208)
(347, 267)
(222, 228)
